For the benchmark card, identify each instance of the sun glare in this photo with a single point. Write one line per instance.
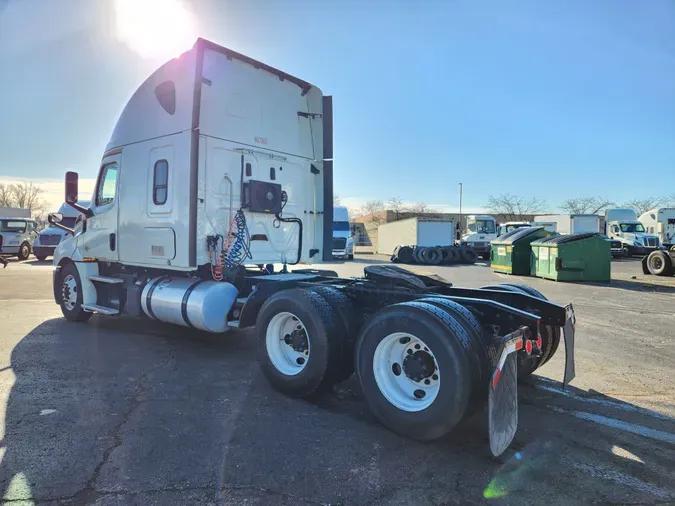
(155, 29)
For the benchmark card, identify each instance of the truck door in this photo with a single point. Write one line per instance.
(100, 238)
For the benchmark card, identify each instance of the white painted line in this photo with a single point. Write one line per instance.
(47, 412)
(606, 402)
(611, 474)
(658, 435)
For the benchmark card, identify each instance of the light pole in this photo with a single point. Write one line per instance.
(459, 222)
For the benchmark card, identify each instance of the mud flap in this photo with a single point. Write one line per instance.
(503, 395)
(568, 333)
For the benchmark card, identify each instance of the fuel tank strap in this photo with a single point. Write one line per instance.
(148, 298)
(183, 305)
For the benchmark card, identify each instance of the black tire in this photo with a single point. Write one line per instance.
(24, 251)
(322, 325)
(405, 254)
(432, 256)
(74, 313)
(349, 320)
(441, 333)
(350, 257)
(451, 255)
(550, 336)
(41, 258)
(626, 252)
(480, 363)
(672, 248)
(659, 263)
(417, 255)
(468, 255)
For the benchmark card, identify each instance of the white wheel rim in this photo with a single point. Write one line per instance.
(288, 358)
(407, 393)
(69, 292)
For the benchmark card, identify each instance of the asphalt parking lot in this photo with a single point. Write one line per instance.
(121, 411)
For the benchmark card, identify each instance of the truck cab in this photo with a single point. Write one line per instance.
(343, 239)
(622, 225)
(17, 236)
(510, 226)
(480, 230)
(49, 238)
(660, 222)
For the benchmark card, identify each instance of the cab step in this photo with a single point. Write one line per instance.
(94, 308)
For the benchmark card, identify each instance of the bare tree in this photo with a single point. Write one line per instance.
(419, 208)
(586, 205)
(641, 206)
(369, 208)
(28, 196)
(5, 196)
(513, 207)
(396, 205)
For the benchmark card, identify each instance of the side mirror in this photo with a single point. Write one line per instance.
(54, 218)
(71, 187)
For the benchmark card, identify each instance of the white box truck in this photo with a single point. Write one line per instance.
(660, 222)
(414, 232)
(343, 239)
(622, 225)
(219, 167)
(572, 223)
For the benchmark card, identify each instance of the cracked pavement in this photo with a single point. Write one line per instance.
(123, 411)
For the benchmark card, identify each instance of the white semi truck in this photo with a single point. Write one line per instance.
(220, 167)
(50, 237)
(480, 230)
(343, 240)
(622, 225)
(660, 222)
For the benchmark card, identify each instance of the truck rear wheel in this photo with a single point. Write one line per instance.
(413, 369)
(659, 264)
(299, 342)
(70, 295)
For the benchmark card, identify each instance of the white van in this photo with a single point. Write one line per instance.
(343, 241)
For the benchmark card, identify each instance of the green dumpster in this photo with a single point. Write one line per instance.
(576, 257)
(510, 253)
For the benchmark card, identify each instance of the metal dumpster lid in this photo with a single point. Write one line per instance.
(561, 239)
(516, 234)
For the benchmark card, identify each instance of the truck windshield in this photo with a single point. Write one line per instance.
(632, 227)
(482, 227)
(340, 226)
(12, 226)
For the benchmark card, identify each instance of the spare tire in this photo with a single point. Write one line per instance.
(468, 255)
(405, 254)
(432, 256)
(417, 255)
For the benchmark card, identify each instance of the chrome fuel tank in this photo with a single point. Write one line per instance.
(189, 302)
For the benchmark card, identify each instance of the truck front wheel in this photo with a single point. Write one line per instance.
(413, 369)
(70, 295)
(24, 251)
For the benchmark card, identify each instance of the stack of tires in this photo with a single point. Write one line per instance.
(435, 255)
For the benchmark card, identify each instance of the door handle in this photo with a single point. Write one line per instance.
(112, 242)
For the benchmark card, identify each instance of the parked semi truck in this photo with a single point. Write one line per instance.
(50, 237)
(622, 225)
(220, 167)
(480, 230)
(660, 222)
(343, 240)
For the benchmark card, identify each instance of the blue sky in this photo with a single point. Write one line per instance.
(548, 99)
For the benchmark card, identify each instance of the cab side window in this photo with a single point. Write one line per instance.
(107, 185)
(160, 182)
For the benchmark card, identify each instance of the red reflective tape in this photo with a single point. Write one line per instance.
(495, 378)
(519, 344)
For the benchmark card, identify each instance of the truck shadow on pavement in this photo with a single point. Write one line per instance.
(123, 411)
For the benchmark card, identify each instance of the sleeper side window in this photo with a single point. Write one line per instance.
(107, 185)
(160, 182)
